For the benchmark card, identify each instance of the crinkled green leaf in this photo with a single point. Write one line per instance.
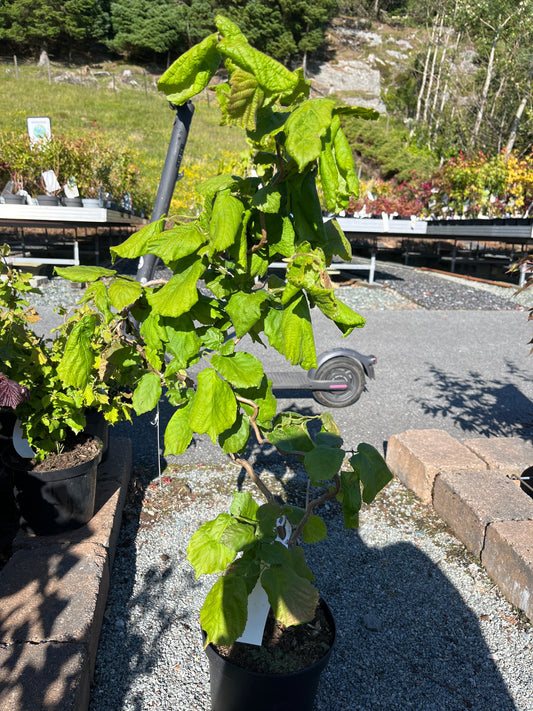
(183, 341)
(245, 310)
(304, 130)
(337, 242)
(83, 273)
(176, 243)
(297, 331)
(314, 530)
(244, 100)
(180, 293)
(191, 72)
(214, 408)
(226, 222)
(267, 199)
(124, 292)
(78, 357)
(329, 177)
(135, 246)
(147, 393)
(243, 370)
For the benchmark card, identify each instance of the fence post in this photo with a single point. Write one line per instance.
(16, 66)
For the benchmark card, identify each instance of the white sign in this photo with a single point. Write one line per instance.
(39, 129)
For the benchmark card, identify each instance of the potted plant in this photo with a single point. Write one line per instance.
(269, 212)
(52, 457)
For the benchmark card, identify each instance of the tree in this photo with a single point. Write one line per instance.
(36, 24)
(142, 27)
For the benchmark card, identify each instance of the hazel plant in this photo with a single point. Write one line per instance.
(270, 212)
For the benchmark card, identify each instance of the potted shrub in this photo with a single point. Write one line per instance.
(52, 458)
(269, 212)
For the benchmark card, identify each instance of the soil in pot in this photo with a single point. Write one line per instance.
(284, 649)
(58, 493)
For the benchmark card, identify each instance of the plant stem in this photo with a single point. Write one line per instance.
(246, 465)
(313, 504)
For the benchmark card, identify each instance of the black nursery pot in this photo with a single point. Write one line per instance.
(236, 689)
(58, 500)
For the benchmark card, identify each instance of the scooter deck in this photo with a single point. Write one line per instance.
(296, 381)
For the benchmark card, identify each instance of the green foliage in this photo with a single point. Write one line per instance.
(92, 161)
(268, 211)
(65, 375)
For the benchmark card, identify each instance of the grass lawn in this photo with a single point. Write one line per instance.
(139, 118)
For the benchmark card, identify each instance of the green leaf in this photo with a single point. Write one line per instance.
(264, 399)
(345, 163)
(322, 463)
(297, 333)
(272, 76)
(183, 341)
(205, 551)
(180, 293)
(245, 310)
(147, 393)
(214, 409)
(244, 100)
(372, 471)
(350, 497)
(274, 553)
(191, 72)
(225, 610)
(293, 599)
(243, 370)
(238, 536)
(78, 358)
(337, 242)
(267, 199)
(178, 433)
(135, 246)
(124, 292)
(235, 438)
(83, 273)
(244, 505)
(304, 130)
(176, 243)
(314, 530)
(226, 222)
(329, 177)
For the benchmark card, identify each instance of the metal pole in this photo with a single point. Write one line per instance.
(169, 176)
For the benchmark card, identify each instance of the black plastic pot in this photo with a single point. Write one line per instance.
(72, 202)
(48, 200)
(54, 501)
(236, 689)
(13, 199)
(97, 426)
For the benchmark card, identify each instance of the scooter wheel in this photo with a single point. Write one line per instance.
(347, 370)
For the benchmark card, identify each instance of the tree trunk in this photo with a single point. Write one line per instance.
(516, 123)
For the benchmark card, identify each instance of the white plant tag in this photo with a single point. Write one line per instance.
(258, 604)
(20, 443)
(50, 181)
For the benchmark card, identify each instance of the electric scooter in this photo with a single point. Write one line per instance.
(339, 378)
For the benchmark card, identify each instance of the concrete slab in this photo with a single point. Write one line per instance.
(508, 559)
(470, 500)
(53, 593)
(44, 677)
(417, 456)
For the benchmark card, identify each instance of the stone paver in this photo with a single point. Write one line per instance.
(511, 455)
(44, 677)
(417, 456)
(53, 594)
(470, 500)
(508, 559)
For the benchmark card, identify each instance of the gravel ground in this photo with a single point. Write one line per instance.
(419, 624)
